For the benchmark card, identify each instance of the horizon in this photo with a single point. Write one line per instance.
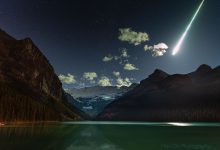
(147, 77)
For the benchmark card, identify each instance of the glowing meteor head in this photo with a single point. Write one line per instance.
(177, 48)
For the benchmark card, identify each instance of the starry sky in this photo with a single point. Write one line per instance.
(102, 42)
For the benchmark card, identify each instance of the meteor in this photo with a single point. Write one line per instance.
(177, 48)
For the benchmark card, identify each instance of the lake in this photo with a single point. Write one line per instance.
(111, 136)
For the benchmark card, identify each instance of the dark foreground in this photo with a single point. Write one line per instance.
(111, 136)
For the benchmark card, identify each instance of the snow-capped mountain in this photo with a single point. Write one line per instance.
(93, 100)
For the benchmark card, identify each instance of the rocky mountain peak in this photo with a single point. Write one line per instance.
(176, 98)
(204, 68)
(158, 75)
(159, 72)
(29, 69)
(5, 36)
(152, 80)
(29, 84)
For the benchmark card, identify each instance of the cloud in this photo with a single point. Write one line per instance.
(90, 76)
(123, 82)
(68, 79)
(104, 81)
(161, 46)
(130, 67)
(116, 73)
(110, 58)
(122, 57)
(132, 37)
(124, 53)
(159, 49)
(147, 47)
(107, 58)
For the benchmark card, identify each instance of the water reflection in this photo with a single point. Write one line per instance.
(35, 137)
(90, 137)
(108, 137)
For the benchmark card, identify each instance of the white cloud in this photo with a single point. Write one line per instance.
(124, 53)
(122, 57)
(68, 79)
(111, 58)
(130, 67)
(123, 82)
(132, 37)
(146, 47)
(104, 81)
(159, 49)
(116, 73)
(161, 46)
(158, 53)
(90, 75)
(107, 58)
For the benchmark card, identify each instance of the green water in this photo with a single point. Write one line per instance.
(111, 136)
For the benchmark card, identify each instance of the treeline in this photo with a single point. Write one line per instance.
(183, 115)
(15, 107)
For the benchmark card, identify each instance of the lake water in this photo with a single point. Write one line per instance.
(111, 136)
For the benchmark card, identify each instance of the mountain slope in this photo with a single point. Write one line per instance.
(162, 97)
(29, 88)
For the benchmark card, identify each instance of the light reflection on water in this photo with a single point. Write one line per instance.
(111, 136)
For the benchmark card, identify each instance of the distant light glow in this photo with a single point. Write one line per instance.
(128, 123)
(179, 124)
(177, 48)
(162, 124)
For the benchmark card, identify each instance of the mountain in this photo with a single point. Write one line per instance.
(29, 88)
(92, 100)
(163, 97)
(98, 91)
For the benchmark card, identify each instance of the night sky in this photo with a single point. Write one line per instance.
(76, 35)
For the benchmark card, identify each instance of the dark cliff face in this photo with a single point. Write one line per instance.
(21, 60)
(26, 71)
(162, 97)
